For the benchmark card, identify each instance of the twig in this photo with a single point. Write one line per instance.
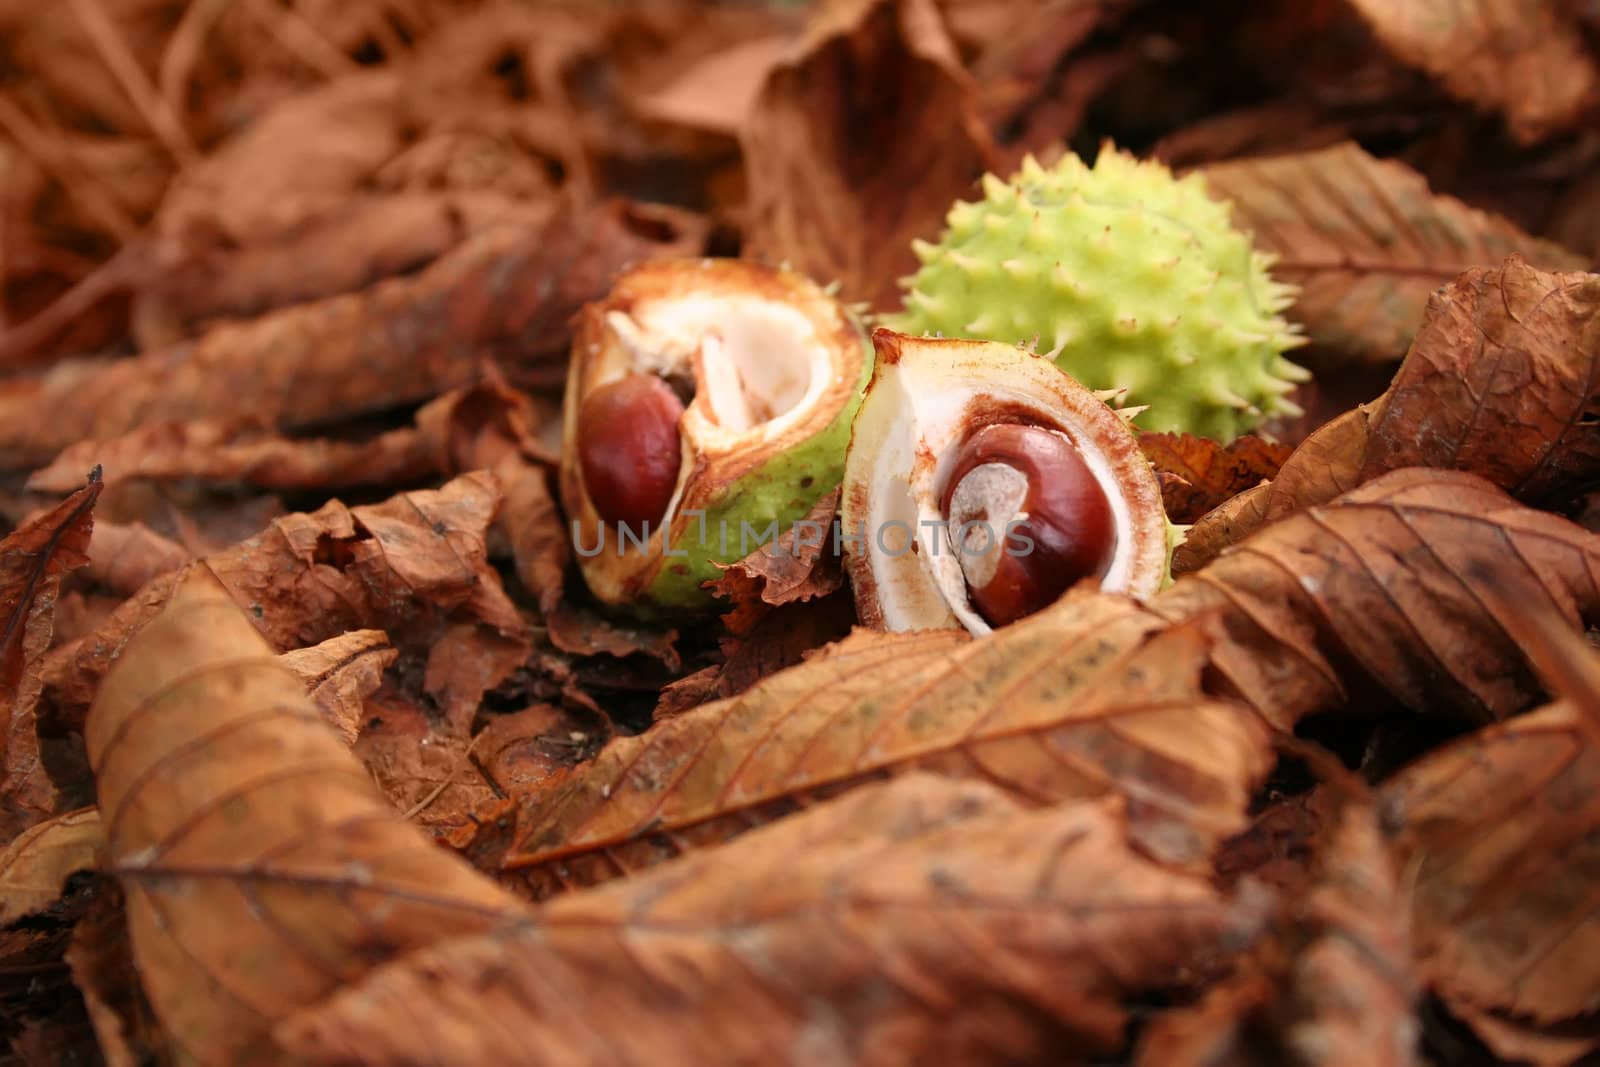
(24, 340)
(107, 40)
(106, 211)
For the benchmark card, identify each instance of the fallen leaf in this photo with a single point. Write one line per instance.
(1092, 697)
(861, 143)
(506, 293)
(1330, 984)
(124, 556)
(1365, 240)
(786, 570)
(423, 765)
(261, 868)
(1198, 473)
(412, 567)
(33, 560)
(1497, 834)
(914, 921)
(1384, 590)
(340, 673)
(237, 451)
(526, 749)
(1502, 380)
(103, 970)
(717, 93)
(1523, 58)
(35, 866)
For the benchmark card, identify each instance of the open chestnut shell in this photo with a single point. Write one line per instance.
(982, 482)
(708, 405)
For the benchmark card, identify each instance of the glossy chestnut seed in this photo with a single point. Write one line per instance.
(1005, 473)
(629, 449)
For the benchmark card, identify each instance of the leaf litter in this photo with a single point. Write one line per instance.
(297, 282)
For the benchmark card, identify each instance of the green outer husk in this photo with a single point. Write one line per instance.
(774, 492)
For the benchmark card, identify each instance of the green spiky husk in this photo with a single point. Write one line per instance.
(1129, 278)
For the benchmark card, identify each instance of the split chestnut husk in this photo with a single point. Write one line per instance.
(983, 482)
(708, 406)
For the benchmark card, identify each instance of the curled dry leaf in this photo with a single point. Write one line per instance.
(505, 294)
(788, 569)
(1502, 380)
(123, 557)
(238, 451)
(262, 870)
(413, 566)
(1365, 240)
(1198, 473)
(35, 866)
(912, 921)
(1093, 697)
(1498, 833)
(1523, 58)
(33, 560)
(1385, 589)
(1331, 983)
(860, 144)
(340, 673)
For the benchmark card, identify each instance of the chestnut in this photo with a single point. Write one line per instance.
(1027, 518)
(629, 448)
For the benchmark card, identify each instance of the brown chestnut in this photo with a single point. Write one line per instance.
(629, 448)
(1027, 518)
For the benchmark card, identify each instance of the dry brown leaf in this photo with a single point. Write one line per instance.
(425, 767)
(340, 673)
(1523, 58)
(787, 570)
(1497, 830)
(860, 144)
(238, 451)
(504, 294)
(1092, 697)
(103, 971)
(414, 566)
(33, 560)
(35, 866)
(1198, 473)
(922, 920)
(1366, 241)
(262, 870)
(1503, 380)
(526, 749)
(1332, 983)
(1385, 589)
(124, 556)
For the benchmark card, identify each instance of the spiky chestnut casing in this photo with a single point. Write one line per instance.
(704, 397)
(917, 447)
(1128, 278)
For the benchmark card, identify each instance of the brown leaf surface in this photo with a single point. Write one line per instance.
(1092, 697)
(1385, 589)
(786, 570)
(262, 870)
(1497, 830)
(1523, 58)
(33, 560)
(124, 556)
(860, 144)
(414, 566)
(1365, 240)
(1198, 473)
(1332, 983)
(504, 294)
(340, 673)
(1502, 380)
(916, 921)
(238, 451)
(36, 864)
